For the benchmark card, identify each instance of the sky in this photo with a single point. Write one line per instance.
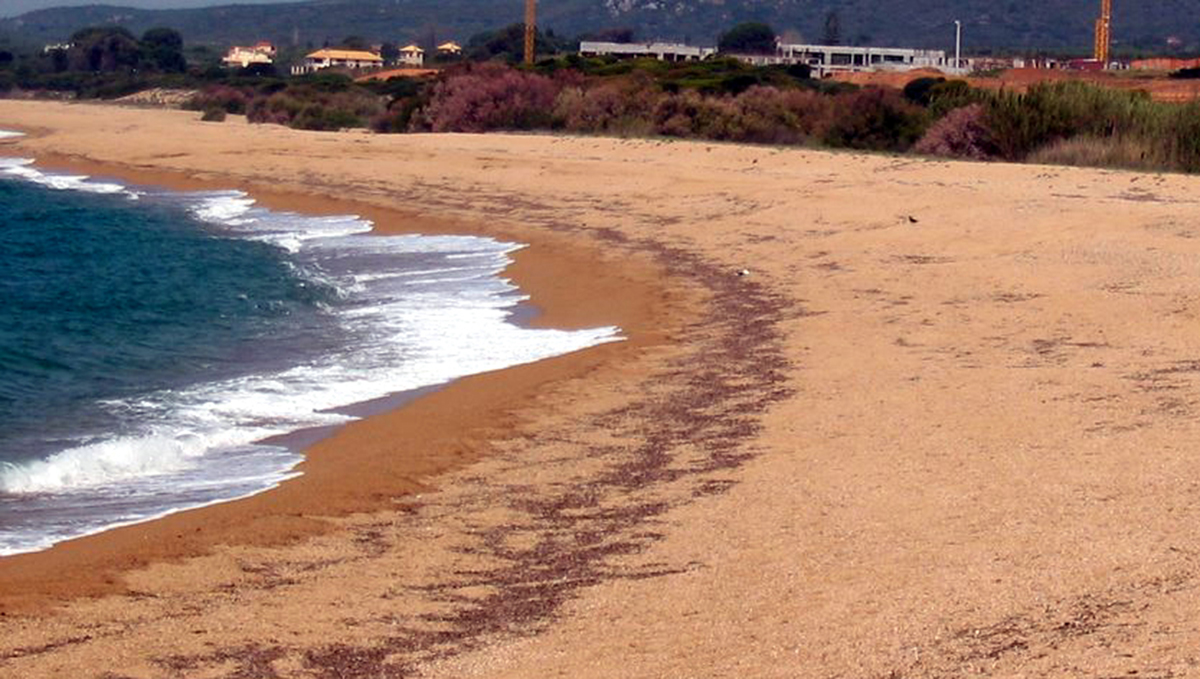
(10, 8)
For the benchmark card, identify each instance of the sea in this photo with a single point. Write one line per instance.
(156, 345)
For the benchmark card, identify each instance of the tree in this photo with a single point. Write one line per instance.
(748, 38)
(508, 43)
(104, 48)
(389, 51)
(427, 39)
(59, 60)
(163, 49)
(919, 91)
(833, 29)
(355, 42)
(617, 35)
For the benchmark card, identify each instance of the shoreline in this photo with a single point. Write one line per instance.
(346, 470)
(946, 430)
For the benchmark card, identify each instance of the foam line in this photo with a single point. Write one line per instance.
(410, 311)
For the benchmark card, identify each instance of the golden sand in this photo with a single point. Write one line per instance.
(945, 426)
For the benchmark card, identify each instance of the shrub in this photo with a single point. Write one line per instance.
(918, 90)
(875, 119)
(490, 97)
(213, 115)
(399, 116)
(946, 96)
(314, 107)
(228, 99)
(961, 133)
(618, 107)
(768, 115)
(690, 114)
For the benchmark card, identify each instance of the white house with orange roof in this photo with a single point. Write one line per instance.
(411, 55)
(338, 58)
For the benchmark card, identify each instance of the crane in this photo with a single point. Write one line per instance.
(532, 28)
(1103, 37)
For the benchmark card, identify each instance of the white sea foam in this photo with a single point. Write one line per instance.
(119, 459)
(412, 311)
(23, 168)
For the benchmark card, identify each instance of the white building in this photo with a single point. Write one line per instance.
(411, 55)
(823, 59)
(828, 59)
(261, 53)
(335, 58)
(662, 51)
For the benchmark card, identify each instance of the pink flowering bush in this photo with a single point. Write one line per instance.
(490, 97)
(961, 133)
(768, 115)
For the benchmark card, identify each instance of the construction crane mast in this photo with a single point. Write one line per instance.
(1103, 35)
(532, 28)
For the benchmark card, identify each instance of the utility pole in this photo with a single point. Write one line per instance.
(530, 29)
(957, 44)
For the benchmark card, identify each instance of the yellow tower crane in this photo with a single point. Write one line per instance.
(1103, 35)
(532, 28)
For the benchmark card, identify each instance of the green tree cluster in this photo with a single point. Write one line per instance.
(751, 37)
(508, 44)
(108, 49)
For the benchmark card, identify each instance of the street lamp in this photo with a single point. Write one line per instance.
(957, 44)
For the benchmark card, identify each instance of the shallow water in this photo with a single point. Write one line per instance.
(149, 340)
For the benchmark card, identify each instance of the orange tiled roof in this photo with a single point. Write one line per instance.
(347, 55)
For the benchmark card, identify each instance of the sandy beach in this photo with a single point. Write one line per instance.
(945, 426)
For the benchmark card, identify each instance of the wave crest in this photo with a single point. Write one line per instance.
(103, 463)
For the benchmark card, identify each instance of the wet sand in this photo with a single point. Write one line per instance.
(945, 426)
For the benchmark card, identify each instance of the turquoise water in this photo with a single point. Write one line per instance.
(150, 341)
(97, 304)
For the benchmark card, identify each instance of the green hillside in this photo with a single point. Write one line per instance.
(1052, 25)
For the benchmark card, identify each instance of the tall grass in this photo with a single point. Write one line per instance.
(1122, 152)
(1051, 112)
(1072, 123)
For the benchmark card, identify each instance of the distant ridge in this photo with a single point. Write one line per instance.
(1052, 25)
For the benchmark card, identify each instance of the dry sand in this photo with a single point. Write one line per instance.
(946, 426)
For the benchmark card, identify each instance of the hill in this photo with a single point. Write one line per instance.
(1052, 25)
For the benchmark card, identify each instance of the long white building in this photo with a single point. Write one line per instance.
(663, 51)
(823, 59)
(827, 59)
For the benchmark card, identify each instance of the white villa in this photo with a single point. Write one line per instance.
(261, 53)
(411, 55)
(337, 58)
